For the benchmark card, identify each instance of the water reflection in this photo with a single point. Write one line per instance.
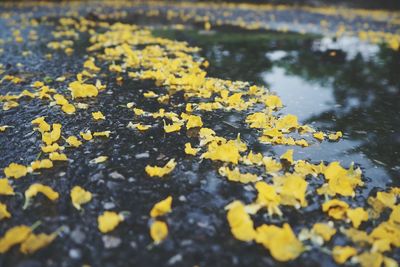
(342, 84)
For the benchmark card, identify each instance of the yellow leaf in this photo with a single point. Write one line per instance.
(161, 208)
(108, 221)
(80, 196)
(158, 231)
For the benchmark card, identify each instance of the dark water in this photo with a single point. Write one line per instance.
(356, 90)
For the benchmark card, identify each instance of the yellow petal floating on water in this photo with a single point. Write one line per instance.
(80, 196)
(73, 141)
(99, 159)
(335, 136)
(98, 115)
(288, 156)
(14, 236)
(108, 221)
(281, 242)
(6, 188)
(241, 224)
(161, 171)
(4, 214)
(15, 170)
(342, 254)
(35, 242)
(158, 231)
(273, 102)
(357, 216)
(319, 135)
(161, 208)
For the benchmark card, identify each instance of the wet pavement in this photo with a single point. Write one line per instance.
(355, 91)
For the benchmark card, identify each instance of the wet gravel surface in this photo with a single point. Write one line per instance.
(199, 233)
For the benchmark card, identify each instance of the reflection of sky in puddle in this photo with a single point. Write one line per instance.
(305, 99)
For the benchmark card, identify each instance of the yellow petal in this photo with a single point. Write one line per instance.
(14, 236)
(158, 231)
(15, 170)
(4, 214)
(34, 189)
(6, 188)
(108, 221)
(80, 196)
(35, 242)
(161, 171)
(341, 254)
(98, 115)
(161, 208)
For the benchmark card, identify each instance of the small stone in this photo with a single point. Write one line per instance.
(111, 241)
(75, 253)
(78, 236)
(182, 198)
(175, 259)
(108, 205)
(116, 175)
(133, 244)
(143, 155)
